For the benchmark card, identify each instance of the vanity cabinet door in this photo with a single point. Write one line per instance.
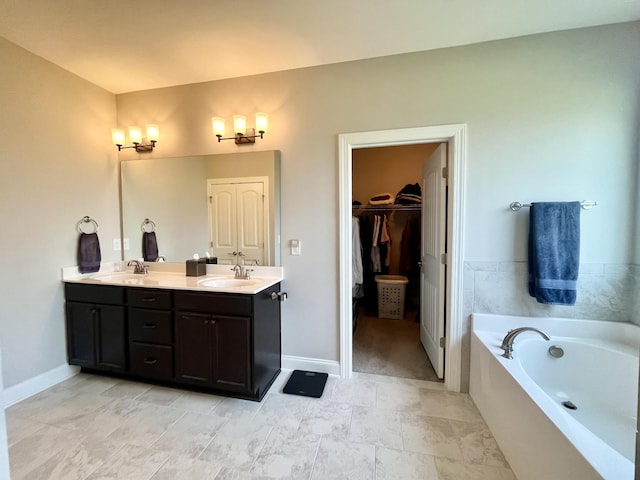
(193, 348)
(213, 350)
(81, 334)
(231, 343)
(96, 336)
(111, 338)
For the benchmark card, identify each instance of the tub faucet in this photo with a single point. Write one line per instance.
(507, 341)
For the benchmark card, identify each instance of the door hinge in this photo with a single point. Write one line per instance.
(210, 198)
(445, 172)
(442, 342)
(443, 259)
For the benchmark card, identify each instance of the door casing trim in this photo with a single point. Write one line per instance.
(456, 137)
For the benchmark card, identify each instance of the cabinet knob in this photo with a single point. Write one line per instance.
(149, 325)
(148, 299)
(150, 361)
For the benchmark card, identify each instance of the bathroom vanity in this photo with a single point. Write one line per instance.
(212, 333)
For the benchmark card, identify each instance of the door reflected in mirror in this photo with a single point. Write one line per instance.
(190, 217)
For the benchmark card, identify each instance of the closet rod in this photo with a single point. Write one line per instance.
(394, 207)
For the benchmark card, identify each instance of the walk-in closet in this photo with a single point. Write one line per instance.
(387, 229)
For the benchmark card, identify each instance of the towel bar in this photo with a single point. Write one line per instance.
(585, 204)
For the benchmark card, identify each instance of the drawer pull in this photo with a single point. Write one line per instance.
(148, 299)
(149, 325)
(150, 361)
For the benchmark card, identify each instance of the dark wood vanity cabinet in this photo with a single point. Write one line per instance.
(223, 342)
(96, 327)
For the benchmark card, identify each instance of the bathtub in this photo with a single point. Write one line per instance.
(521, 399)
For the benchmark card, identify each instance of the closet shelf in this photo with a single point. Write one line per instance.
(386, 208)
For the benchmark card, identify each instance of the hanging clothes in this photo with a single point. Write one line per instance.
(357, 268)
(385, 240)
(375, 245)
(410, 245)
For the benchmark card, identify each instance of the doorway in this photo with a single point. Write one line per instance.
(455, 137)
(388, 192)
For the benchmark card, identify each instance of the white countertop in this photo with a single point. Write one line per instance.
(219, 278)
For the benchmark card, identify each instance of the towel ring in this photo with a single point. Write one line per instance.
(84, 220)
(146, 222)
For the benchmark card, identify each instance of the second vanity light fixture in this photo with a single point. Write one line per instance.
(243, 135)
(135, 137)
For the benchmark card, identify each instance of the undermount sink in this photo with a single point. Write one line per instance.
(227, 282)
(118, 277)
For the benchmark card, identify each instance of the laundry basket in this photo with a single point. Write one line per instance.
(391, 293)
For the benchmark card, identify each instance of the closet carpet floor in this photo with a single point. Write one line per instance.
(391, 347)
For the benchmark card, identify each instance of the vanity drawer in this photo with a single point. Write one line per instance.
(151, 361)
(150, 326)
(218, 303)
(105, 294)
(149, 298)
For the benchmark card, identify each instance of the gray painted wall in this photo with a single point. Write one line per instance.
(550, 117)
(56, 165)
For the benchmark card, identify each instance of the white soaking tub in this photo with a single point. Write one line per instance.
(522, 398)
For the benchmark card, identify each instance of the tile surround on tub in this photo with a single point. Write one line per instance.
(605, 291)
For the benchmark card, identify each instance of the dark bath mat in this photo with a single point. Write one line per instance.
(307, 384)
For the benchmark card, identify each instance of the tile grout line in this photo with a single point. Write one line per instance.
(315, 457)
(213, 437)
(261, 448)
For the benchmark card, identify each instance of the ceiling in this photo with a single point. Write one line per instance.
(131, 45)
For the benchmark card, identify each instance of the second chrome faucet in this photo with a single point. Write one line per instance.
(507, 341)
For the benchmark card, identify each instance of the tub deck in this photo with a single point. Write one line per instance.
(539, 438)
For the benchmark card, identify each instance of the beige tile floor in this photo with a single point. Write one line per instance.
(392, 347)
(368, 427)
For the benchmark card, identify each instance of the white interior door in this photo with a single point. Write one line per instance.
(250, 222)
(238, 215)
(432, 272)
(222, 222)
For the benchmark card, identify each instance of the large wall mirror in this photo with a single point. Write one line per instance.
(174, 195)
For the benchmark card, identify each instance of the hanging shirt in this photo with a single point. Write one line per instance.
(375, 249)
(356, 255)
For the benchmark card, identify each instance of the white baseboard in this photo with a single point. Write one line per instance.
(26, 389)
(289, 362)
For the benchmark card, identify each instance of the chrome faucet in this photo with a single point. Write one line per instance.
(242, 272)
(138, 267)
(507, 341)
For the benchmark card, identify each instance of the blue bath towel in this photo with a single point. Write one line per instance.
(554, 252)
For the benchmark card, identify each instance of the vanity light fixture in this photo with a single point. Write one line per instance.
(243, 135)
(135, 137)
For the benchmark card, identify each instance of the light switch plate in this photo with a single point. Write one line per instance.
(296, 247)
(116, 244)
